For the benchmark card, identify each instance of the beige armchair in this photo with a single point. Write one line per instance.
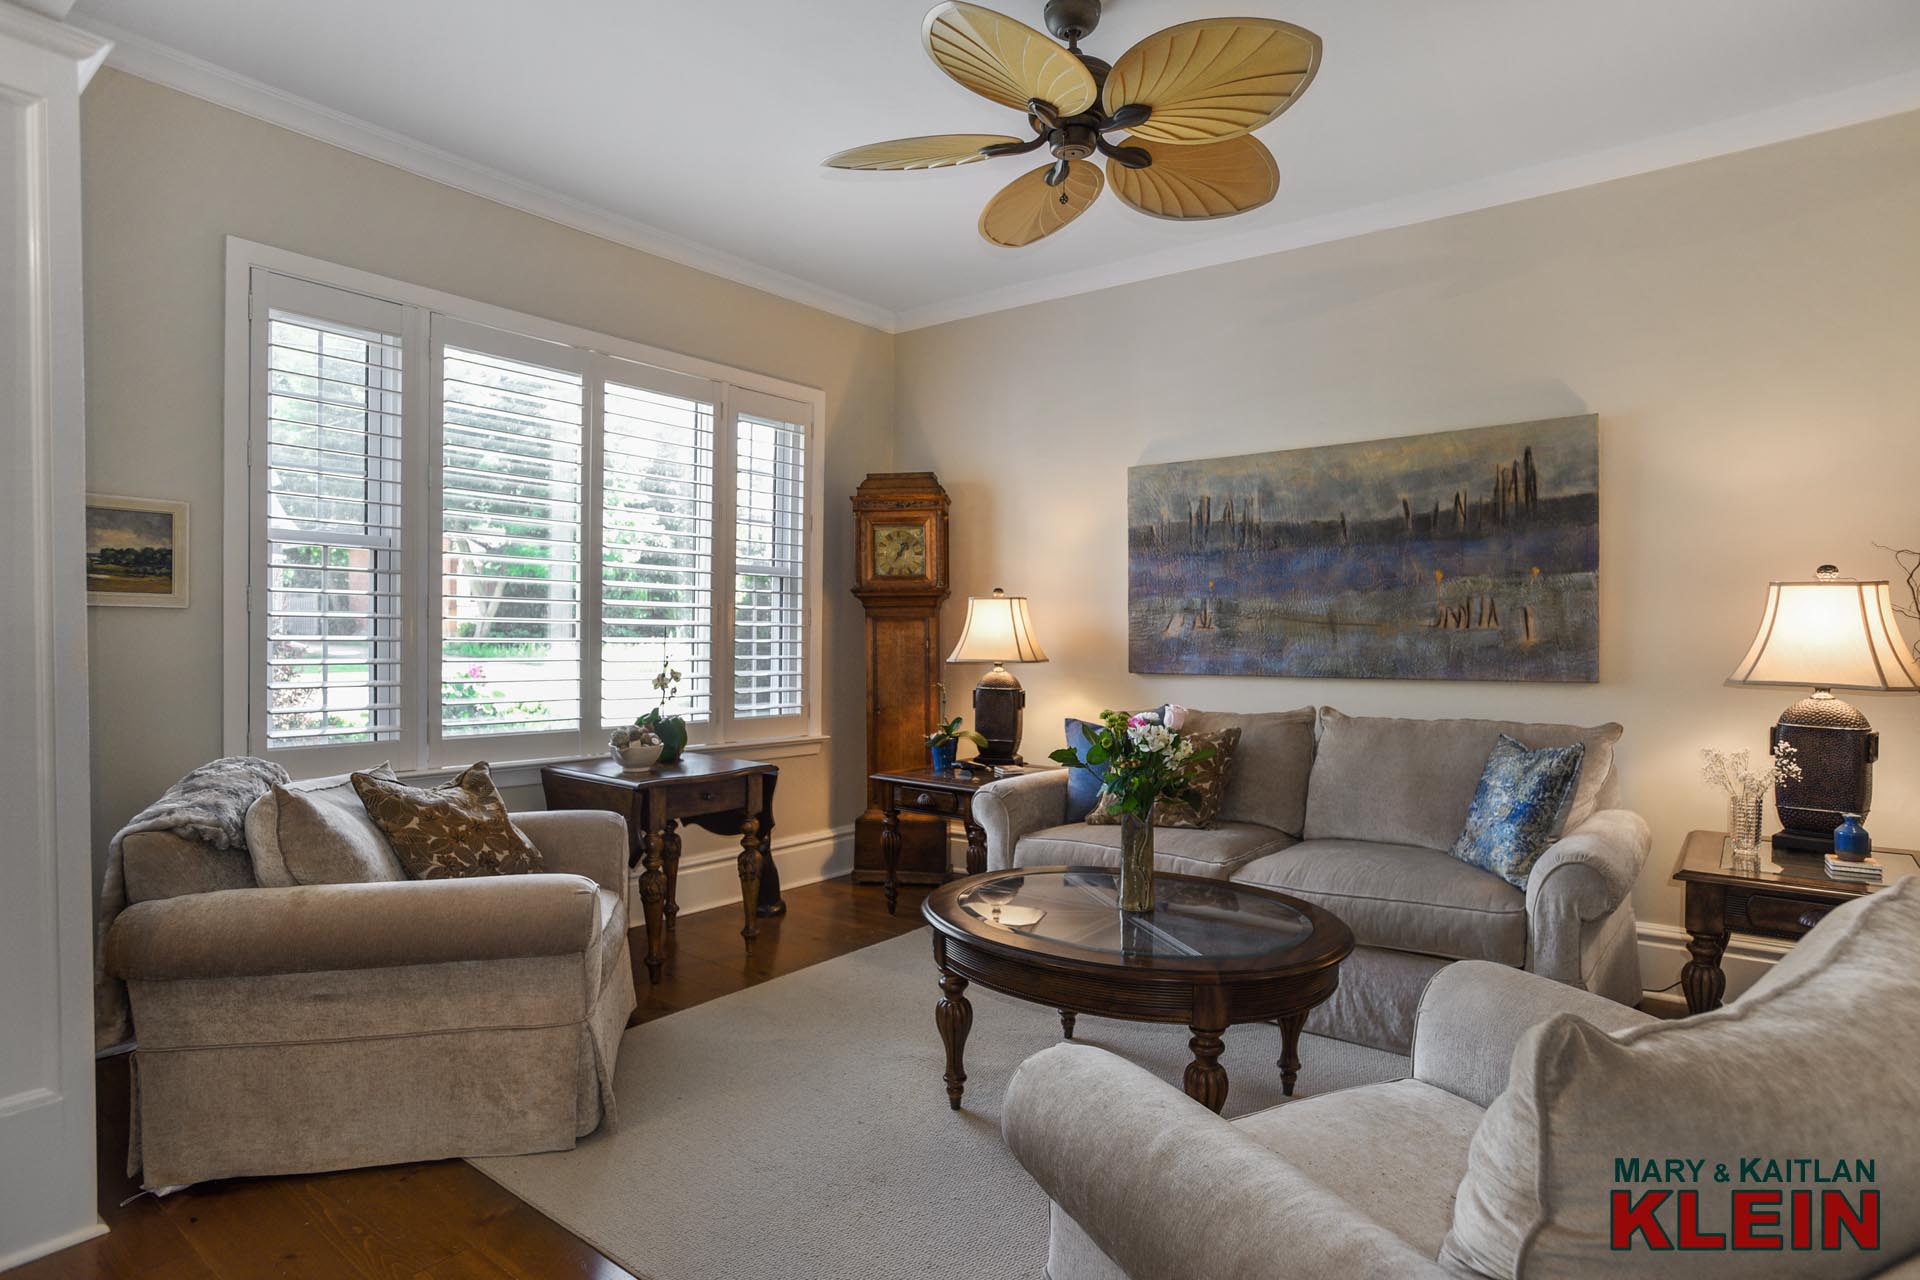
(305, 1028)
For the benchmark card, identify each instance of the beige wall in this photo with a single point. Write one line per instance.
(169, 176)
(1747, 330)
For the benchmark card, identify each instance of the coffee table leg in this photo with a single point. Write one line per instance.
(1206, 1079)
(1066, 1024)
(1289, 1063)
(954, 1016)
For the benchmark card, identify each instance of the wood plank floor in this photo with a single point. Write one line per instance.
(443, 1220)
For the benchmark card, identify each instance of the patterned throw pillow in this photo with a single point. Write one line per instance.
(1518, 808)
(1210, 777)
(459, 828)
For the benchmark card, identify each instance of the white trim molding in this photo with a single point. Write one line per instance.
(1663, 950)
(710, 879)
(150, 60)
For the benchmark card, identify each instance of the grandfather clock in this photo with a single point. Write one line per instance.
(900, 550)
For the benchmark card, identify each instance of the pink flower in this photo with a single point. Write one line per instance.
(1134, 722)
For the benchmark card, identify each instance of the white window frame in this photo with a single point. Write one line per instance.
(430, 313)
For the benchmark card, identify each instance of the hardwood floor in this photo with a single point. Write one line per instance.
(444, 1220)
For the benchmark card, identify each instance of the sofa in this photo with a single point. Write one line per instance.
(1501, 1154)
(1355, 814)
(285, 1027)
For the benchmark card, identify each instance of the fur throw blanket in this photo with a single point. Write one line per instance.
(209, 805)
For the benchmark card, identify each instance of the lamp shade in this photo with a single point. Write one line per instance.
(998, 629)
(1833, 633)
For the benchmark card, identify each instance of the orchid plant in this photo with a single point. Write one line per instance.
(1147, 759)
(1735, 773)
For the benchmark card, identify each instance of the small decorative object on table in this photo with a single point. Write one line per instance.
(636, 747)
(1864, 870)
(1146, 761)
(1851, 843)
(669, 731)
(944, 742)
(1746, 789)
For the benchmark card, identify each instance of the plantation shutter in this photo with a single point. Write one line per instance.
(510, 470)
(326, 619)
(769, 560)
(656, 538)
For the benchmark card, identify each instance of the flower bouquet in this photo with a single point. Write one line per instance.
(1146, 759)
(1746, 787)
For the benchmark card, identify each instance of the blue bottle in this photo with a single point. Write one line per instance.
(1850, 839)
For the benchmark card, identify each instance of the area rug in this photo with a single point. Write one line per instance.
(799, 1130)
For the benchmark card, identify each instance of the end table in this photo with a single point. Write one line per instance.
(944, 793)
(1785, 898)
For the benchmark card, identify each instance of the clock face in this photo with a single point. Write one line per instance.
(900, 551)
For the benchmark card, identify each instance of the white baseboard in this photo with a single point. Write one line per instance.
(713, 880)
(1663, 951)
(40, 1250)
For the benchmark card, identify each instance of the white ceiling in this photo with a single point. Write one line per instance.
(697, 126)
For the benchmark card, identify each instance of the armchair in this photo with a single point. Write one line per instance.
(313, 1027)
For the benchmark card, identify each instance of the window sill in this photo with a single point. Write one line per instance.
(526, 773)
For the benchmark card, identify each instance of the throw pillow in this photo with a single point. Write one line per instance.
(1520, 805)
(1083, 785)
(1767, 1098)
(459, 828)
(325, 836)
(1210, 779)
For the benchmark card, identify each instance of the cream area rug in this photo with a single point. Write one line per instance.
(799, 1130)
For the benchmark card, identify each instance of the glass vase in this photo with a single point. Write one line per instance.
(1744, 815)
(1136, 863)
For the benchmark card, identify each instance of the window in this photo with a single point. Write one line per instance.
(468, 533)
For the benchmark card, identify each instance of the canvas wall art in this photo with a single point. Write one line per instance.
(136, 551)
(1463, 555)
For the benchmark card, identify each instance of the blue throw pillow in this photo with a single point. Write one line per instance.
(1519, 808)
(1083, 785)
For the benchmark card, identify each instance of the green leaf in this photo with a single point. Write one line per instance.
(977, 739)
(1066, 756)
(1098, 754)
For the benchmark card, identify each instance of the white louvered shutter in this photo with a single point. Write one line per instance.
(324, 461)
(769, 563)
(511, 470)
(656, 538)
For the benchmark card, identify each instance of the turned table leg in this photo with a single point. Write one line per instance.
(672, 853)
(954, 1016)
(1702, 979)
(653, 896)
(1066, 1024)
(1289, 1063)
(1206, 1079)
(890, 851)
(749, 864)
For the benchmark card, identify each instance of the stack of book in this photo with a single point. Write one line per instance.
(1864, 869)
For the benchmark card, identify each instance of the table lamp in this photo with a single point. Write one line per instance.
(1831, 633)
(998, 630)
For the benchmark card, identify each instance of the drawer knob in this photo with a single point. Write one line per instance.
(923, 798)
(706, 795)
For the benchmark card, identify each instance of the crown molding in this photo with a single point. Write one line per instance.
(37, 25)
(150, 60)
(1857, 105)
(137, 55)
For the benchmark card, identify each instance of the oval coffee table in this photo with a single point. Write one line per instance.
(1210, 955)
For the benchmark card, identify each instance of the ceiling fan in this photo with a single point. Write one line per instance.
(1188, 99)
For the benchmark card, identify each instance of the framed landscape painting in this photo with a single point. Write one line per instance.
(1463, 555)
(136, 551)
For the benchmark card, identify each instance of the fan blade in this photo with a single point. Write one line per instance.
(1027, 208)
(1214, 181)
(1214, 79)
(935, 151)
(1005, 60)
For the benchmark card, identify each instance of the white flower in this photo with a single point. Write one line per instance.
(1184, 750)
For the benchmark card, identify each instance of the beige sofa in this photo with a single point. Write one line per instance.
(1498, 1156)
(310, 1027)
(1355, 814)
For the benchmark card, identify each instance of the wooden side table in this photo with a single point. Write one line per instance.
(942, 794)
(1786, 897)
(717, 793)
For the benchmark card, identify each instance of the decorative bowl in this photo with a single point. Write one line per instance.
(637, 757)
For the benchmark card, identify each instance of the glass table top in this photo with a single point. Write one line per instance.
(1081, 908)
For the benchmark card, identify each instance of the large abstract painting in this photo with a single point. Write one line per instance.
(1465, 555)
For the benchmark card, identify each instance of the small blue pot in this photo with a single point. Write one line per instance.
(944, 756)
(1850, 839)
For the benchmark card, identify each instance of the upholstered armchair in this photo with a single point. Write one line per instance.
(326, 1026)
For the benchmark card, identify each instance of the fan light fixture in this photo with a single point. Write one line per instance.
(1187, 99)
